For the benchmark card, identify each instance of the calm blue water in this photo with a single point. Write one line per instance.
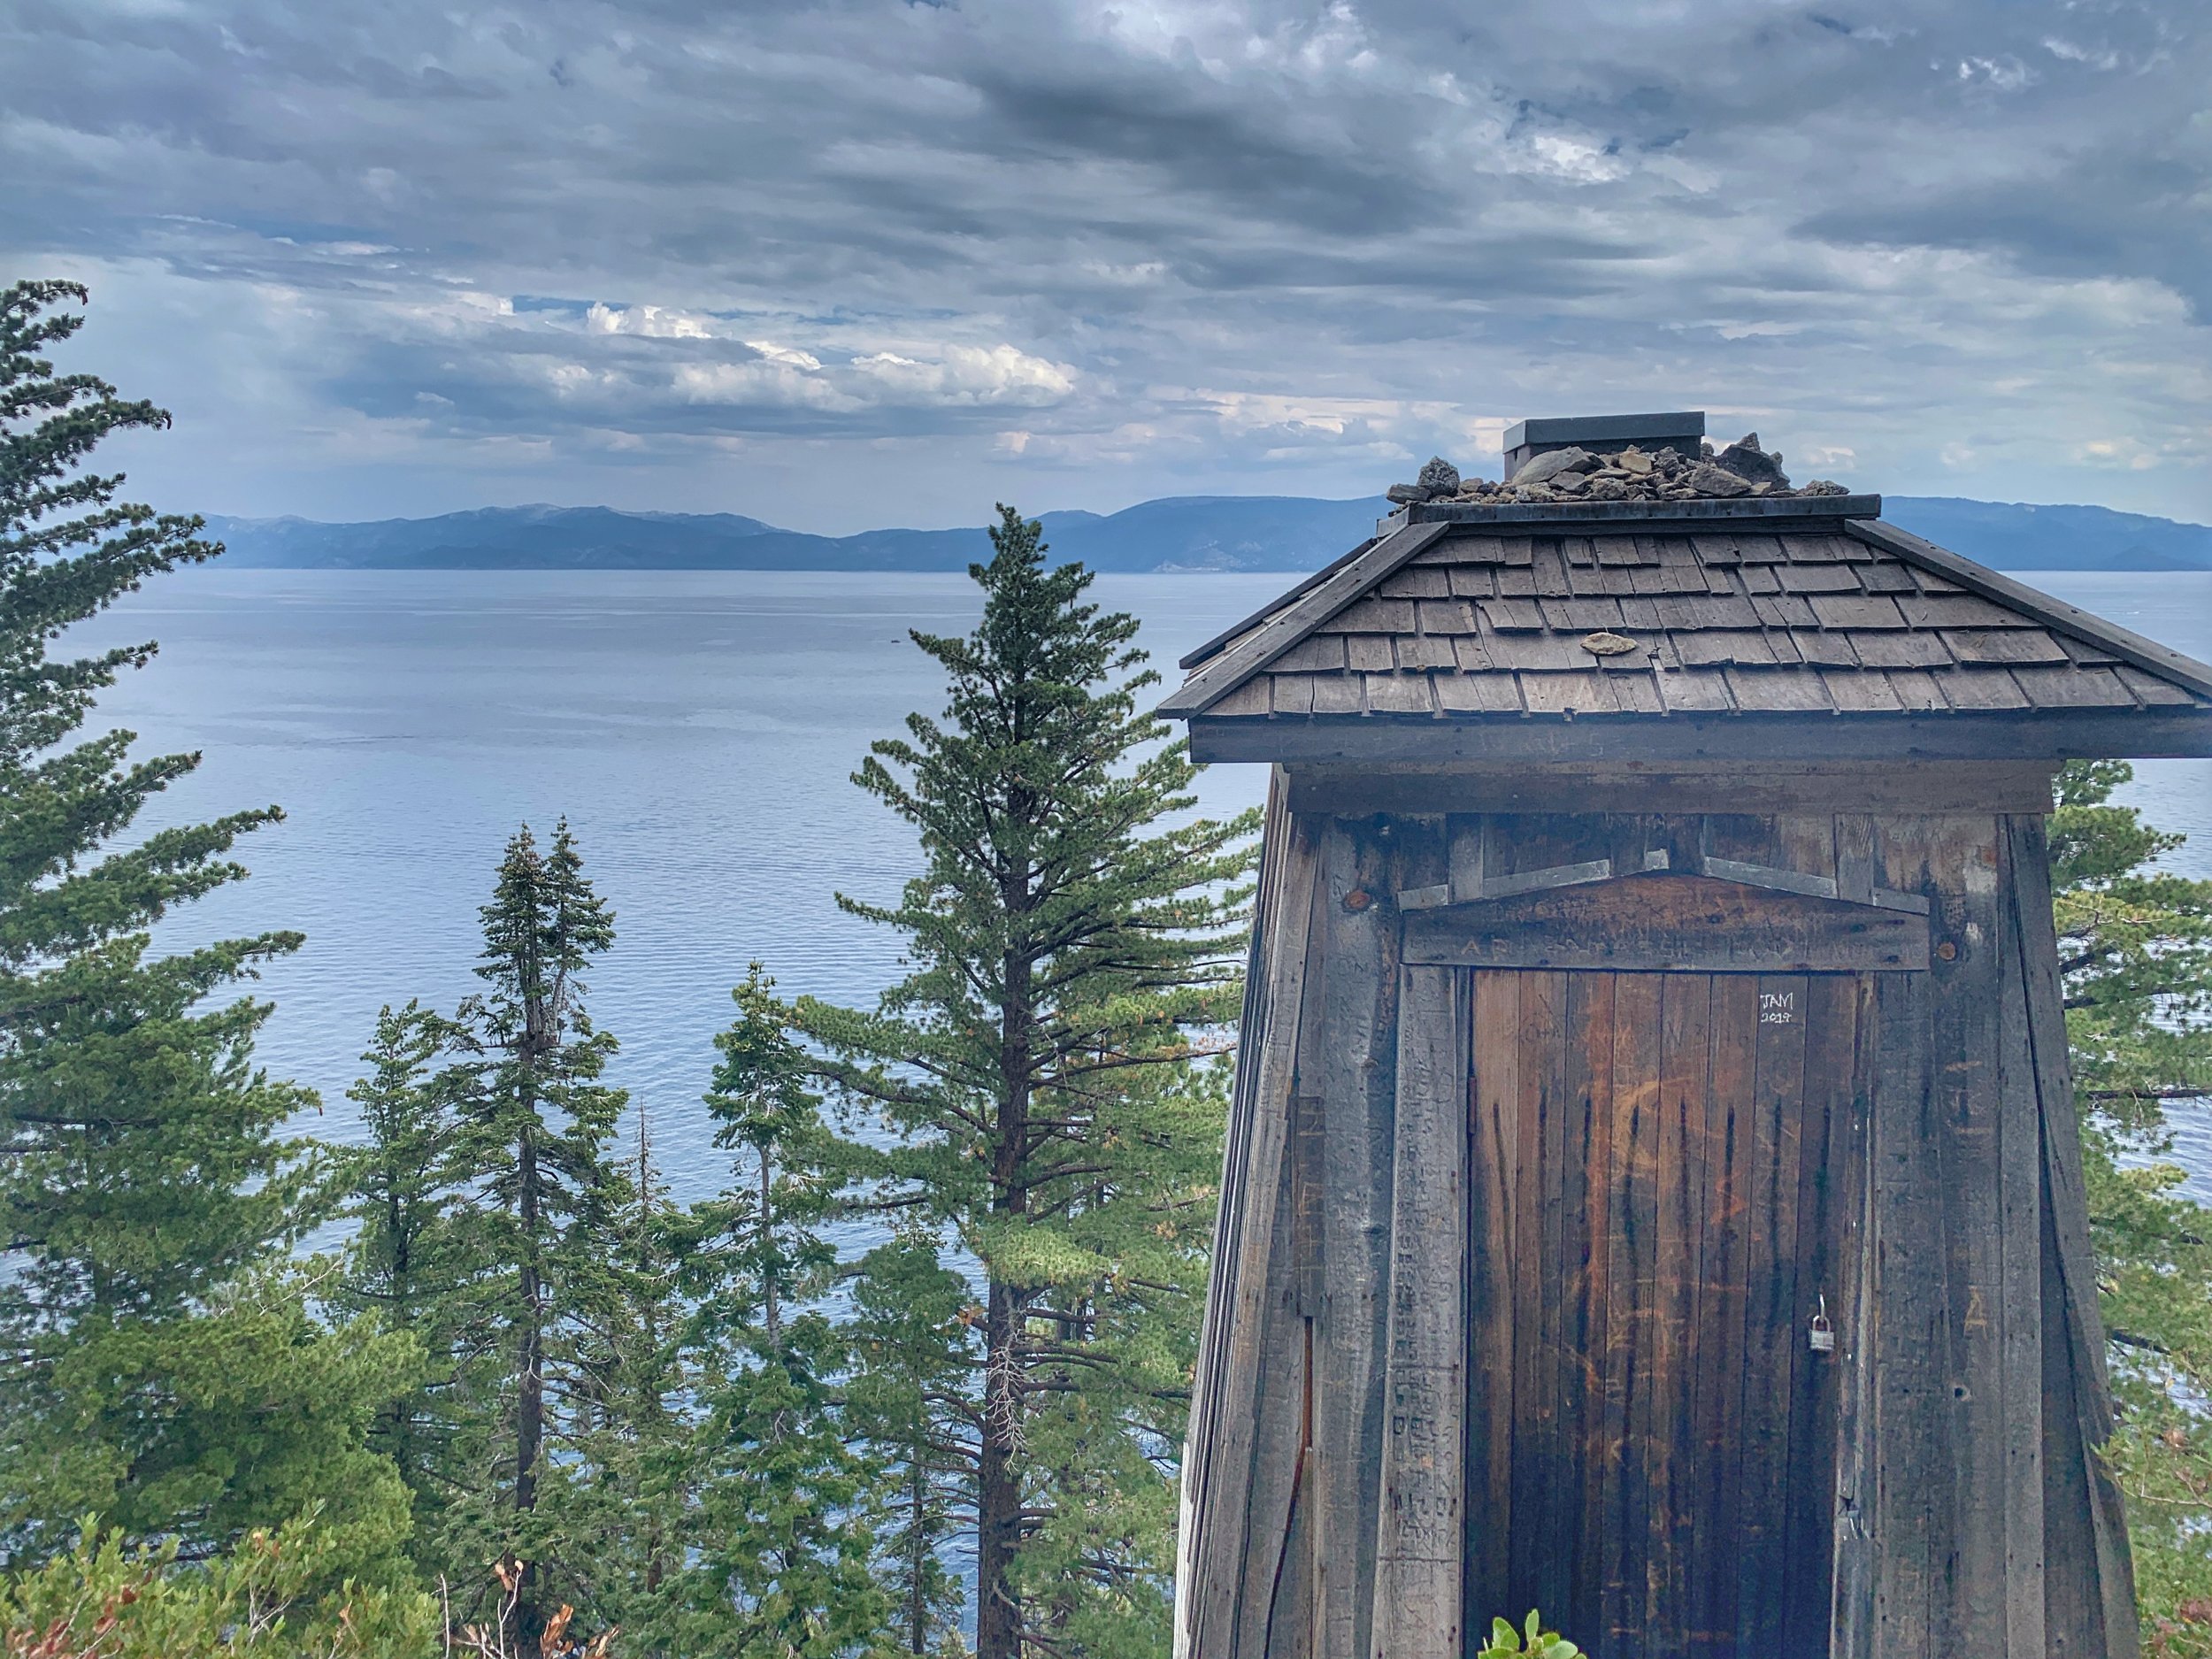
(698, 729)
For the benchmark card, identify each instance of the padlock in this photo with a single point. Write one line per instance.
(1822, 1335)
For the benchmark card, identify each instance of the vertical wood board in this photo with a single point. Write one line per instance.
(1418, 1591)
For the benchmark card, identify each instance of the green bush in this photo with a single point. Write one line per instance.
(1532, 1639)
(108, 1600)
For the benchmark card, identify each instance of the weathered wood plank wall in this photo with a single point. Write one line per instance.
(1418, 1583)
(1353, 1486)
(2092, 1612)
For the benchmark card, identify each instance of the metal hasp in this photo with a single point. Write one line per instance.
(1653, 1191)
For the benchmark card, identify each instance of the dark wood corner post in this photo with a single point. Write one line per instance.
(1656, 1200)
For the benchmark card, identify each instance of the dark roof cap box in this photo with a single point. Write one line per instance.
(1524, 440)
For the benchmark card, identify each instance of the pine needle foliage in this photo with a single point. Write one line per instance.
(540, 1212)
(910, 1340)
(149, 1192)
(777, 1540)
(271, 1595)
(1075, 947)
(2135, 949)
(407, 1264)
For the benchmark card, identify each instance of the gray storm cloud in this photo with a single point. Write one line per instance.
(410, 257)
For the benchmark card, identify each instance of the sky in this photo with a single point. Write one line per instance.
(864, 263)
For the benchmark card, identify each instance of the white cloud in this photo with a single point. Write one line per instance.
(2005, 75)
(1163, 245)
(2070, 52)
(653, 322)
(954, 376)
(969, 375)
(762, 382)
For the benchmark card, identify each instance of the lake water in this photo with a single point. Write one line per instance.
(698, 729)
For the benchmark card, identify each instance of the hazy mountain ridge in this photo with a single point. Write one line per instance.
(1181, 533)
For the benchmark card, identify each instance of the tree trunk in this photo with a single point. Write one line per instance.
(998, 1624)
(771, 1269)
(918, 1605)
(998, 1616)
(399, 1291)
(530, 1379)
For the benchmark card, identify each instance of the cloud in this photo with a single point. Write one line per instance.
(664, 252)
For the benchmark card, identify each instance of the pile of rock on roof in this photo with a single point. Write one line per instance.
(1631, 474)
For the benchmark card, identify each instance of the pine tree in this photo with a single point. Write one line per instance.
(2135, 947)
(1067, 952)
(624, 1492)
(405, 1267)
(541, 1204)
(779, 1542)
(157, 1362)
(911, 1336)
(768, 1255)
(272, 1597)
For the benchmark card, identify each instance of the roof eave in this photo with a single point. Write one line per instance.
(1233, 658)
(2129, 647)
(2041, 735)
(1293, 621)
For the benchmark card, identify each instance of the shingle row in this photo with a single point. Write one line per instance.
(1799, 622)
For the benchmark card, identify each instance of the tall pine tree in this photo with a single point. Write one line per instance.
(780, 1540)
(541, 1209)
(158, 1361)
(909, 1336)
(1074, 950)
(622, 1494)
(2135, 949)
(407, 1270)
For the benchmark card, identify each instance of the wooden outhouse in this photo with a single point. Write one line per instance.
(1653, 1192)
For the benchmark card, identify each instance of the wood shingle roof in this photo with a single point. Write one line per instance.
(1473, 622)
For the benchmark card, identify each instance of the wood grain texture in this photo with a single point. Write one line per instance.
(1650, 923)
(1724, 1289)
(1275, 1497)
(1549, 1112)
(1518, 1258)
(1909, 1511)
(1270, 638)
(1709, 730)
(1685, 1082)
(1596, 1431)
(1218, 1466)
(2074, 1613)
(1348, 1055)
(2016, 596)
(1852, 1621)
(1356, 789)
(1418, 1557)
(1831, 1163)
(2019, 1294)
(1308, 1164)
(1540, 1111)
(1653, 1404)
(2074, 1366)
(1634, 1285)
(1493, 1098)
(1963, 1080)
(1778, 1107)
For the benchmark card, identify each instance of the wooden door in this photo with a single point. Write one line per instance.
(1662, 1170)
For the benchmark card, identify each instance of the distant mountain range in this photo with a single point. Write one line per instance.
(1180, 532)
